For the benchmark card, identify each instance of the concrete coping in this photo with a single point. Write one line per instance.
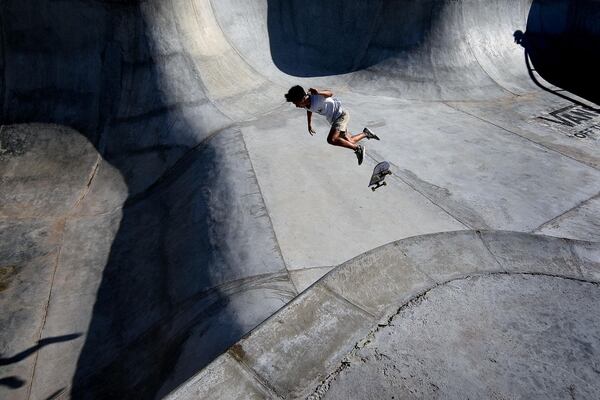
(290, 354)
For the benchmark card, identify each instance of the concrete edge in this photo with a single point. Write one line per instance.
(291, 353)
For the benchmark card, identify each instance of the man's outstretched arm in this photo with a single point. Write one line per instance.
(324, 93)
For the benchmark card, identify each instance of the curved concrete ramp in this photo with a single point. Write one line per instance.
(160, 199)
(477, 314)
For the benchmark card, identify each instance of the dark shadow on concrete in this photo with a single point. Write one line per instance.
(12, 382)
(319, 38)
(561, 41)
(40, 344)
(521, 39)
(55, 394)
(88, 55)
(155, 294)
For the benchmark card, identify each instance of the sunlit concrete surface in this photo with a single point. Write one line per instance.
(159, 198)
(475, 314)
(428, 354)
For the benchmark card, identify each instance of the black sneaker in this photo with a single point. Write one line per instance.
(360, 153)
(370, 134)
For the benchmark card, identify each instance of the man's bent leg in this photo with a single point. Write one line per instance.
(356, 138)
(336, 139)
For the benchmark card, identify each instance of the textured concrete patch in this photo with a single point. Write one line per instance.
(7, 273)
(378, 279)
(302, 341)
(588, 259)
(581, 223)
(520, 252)
(448, 255)
(223, 379)
(44, 170)
(507, 337)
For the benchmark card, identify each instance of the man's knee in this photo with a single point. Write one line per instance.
(333, 137)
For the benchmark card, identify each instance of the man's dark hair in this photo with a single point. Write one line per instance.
(295, 94)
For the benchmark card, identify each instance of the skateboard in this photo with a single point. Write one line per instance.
(380, 171)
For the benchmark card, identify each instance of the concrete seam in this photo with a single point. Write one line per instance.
(312, 268)
(395, 175)
(70, 214)
(88, 186)
(575, 257)
(487, 247)
(47, 305)
(345, 300)
(268, 214)
(550, 221)
(448, 103)
(256, 376)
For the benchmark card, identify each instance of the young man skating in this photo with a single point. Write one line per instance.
(322, 102)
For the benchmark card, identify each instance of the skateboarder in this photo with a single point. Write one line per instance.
(322, 102)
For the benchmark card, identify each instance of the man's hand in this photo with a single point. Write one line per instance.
(311, 130)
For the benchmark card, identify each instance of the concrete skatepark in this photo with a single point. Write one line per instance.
(170, 229)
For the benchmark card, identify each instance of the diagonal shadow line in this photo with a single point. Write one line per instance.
(40, 344)
(56, 394)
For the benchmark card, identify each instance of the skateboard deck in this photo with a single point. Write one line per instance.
(380, 171)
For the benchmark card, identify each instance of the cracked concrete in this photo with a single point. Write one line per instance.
(511, 336)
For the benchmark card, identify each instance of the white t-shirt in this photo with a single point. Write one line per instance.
(329, 107)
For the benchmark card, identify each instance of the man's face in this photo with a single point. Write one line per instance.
(302, 103)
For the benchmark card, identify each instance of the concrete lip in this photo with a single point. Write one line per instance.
(403, 320)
